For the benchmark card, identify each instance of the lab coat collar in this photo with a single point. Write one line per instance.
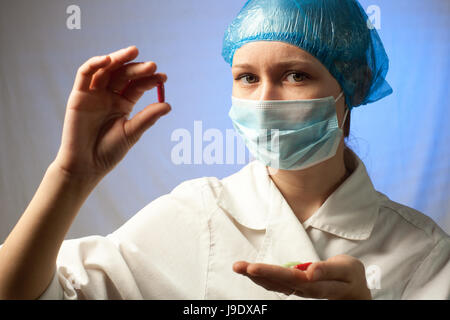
(255, 202)
(352, 209)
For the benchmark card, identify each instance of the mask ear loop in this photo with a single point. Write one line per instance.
(345, 117)
(346, 109)
(339, 96)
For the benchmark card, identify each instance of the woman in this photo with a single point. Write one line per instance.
(298, 68)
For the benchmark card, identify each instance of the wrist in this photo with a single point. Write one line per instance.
(77, 181)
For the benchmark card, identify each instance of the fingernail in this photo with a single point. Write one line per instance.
(317, 274)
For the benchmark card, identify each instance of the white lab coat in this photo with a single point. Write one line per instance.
(183, 244)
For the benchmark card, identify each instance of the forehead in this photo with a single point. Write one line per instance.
(272, 54)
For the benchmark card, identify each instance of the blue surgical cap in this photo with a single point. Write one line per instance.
(336, 32)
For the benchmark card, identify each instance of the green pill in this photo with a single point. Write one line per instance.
(291, 264)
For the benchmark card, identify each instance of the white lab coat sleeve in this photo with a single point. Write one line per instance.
(160, 253)
(91, 268)
(431, 280)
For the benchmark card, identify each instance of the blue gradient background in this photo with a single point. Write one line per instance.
(402, 139)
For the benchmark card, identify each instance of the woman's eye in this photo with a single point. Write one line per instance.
(298, 77)
(248, 77)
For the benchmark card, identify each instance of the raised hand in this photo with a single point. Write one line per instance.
(97, 132)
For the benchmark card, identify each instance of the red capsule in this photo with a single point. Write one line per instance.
(161, 97)
(302, 266)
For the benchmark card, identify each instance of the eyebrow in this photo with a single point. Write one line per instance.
(288, 63)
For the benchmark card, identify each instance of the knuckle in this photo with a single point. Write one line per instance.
(254, 269)
(86, 67)
(323, 268)
(91, 59)
(82, 70)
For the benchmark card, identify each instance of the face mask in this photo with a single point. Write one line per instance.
(288, 134)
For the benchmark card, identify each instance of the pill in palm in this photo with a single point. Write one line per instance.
(302, 266)
(297, 265)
